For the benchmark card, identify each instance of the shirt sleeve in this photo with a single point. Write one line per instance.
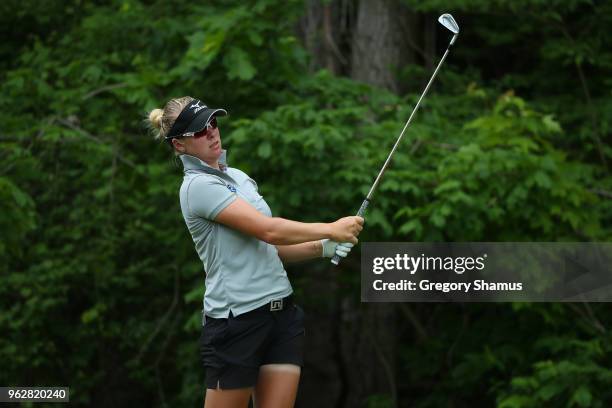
(206, 197)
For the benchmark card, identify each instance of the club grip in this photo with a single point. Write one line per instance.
(363, 207)
(336, 259)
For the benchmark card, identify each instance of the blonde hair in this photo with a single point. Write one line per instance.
(161, 120)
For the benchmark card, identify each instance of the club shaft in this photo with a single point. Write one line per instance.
(336, 258)
(399, 139)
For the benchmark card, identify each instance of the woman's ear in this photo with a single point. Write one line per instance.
(178, 145)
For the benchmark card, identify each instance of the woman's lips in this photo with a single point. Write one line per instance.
(214, 145)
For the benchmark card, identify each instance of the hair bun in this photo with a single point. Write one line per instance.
(155, 117)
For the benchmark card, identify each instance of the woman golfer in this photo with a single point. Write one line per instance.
(252, 334)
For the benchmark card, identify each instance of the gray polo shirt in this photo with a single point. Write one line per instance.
(242, 272)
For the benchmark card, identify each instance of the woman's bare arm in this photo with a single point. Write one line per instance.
(241, 216)
(300, 252)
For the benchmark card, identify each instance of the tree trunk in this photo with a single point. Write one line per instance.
(369, 349)
(351, 346)
(380, 47)
(322, 29)
(429, 34)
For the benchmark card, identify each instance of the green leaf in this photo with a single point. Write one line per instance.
(411, 226)
(90, 315)
(238, 64)
(542, 179)
(255, 38)
(582, 397)
(551, 124)
(517, 401)
(446, 186)
(264, 150)
(549, 391)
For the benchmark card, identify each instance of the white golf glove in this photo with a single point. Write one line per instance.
(330, 247)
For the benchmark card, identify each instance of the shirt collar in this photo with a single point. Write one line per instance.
(193, 163)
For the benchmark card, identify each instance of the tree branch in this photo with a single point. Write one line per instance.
(421, 332)
(94, 138)
(600, 192)
(162, 321)
(588, 316)
(103, 89)
(589, 100)
(327, 30)
(387, 366)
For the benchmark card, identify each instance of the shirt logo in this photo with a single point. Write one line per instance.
(196, 107)
(231, 188)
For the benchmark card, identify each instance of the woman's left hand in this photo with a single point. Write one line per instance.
(332, 247)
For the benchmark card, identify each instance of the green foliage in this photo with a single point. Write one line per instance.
(503, 168)
(379, 401)
(447, 182)
(575, 378)
(95, 256)
(101, 288)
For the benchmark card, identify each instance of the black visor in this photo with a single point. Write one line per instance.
(193, 118)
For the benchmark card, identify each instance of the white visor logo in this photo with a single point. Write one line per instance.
(196, 107)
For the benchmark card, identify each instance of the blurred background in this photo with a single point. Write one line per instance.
(100, 285)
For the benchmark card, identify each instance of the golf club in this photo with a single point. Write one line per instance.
(449, 22)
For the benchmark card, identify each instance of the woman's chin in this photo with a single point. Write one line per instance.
(216, 152)
(212, 155)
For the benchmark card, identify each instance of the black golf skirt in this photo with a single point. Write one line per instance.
(233, 349)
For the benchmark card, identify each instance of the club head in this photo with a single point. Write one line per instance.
(449, 22)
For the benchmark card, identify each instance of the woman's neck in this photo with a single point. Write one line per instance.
(213, 164)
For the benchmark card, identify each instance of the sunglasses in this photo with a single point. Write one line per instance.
(204, 132)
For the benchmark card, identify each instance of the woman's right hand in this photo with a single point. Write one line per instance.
(346, 229)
